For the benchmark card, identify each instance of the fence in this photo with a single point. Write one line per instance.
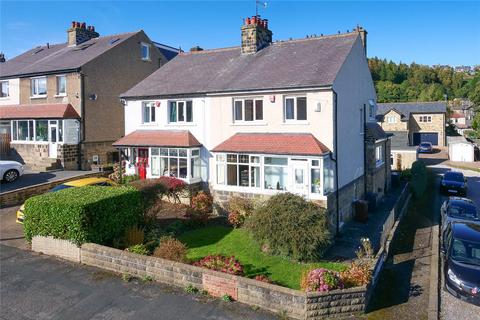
(4, 145)
(397, 209)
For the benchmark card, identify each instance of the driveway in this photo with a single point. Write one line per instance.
(11, 233)
(40, 287)
(452, 308)
(30, 178)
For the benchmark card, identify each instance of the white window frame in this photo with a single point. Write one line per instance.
(425, 119)
(295, 109)
(57, 78)
(60, 138)
(152, 116)
(254, 114)
(391, 119)
(7, 91)
(34, 87)
(145, 45)
(185, 118)
(379, 155)
(372, 109)
(166, 153)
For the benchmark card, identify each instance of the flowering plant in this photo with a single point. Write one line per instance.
(321, 280)
(236, 219)
(263, 278)
(357, 274)
(202, 202)
(175, 187)
(221, 263)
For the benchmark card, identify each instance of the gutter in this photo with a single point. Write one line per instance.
(365, 174)
(337, 200)
(36, 74)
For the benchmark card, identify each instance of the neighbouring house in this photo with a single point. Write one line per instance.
(59, 102)
(378, 160)
(260, 118)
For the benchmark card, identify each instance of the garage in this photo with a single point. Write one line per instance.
(419, 137)
(462, 151)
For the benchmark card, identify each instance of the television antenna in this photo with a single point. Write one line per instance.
(258, 2)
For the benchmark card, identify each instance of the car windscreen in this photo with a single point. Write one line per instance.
(59, 187)
(462, 211)
(423, 144)
(453, 176)
(465, 251)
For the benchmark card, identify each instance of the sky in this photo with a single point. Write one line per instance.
(425, 32)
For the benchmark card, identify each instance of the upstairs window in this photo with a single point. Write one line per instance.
(180, 111)
(61, 85)
(5, 90)
(425, 119)
(379, 155)
(391, 119)
(145, 51)
(295, 108)
(248, 110)
(148, 112)
(38, 86)
(371, 109)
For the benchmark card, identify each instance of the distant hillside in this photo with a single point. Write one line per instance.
(415, 82)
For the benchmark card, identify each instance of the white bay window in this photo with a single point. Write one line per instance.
(176, 162)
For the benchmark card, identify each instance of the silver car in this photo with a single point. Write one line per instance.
(10, 170)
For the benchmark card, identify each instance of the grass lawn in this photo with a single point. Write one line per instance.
(237, 242)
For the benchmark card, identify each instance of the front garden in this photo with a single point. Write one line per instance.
(280, 240)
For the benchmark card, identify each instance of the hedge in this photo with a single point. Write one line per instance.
(418, 183)
(85, 214)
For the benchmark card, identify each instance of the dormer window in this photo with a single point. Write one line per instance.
(145, 51)
(38, 87)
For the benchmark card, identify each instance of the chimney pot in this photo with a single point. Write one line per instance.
(73, 24)
(247, 21)
(257, 36)
(80, 33)
(196, 49)
(84, 25)
(266, 23)
(2, 57)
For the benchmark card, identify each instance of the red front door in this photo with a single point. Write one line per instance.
(142, 163)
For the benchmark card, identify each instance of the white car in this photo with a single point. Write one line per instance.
(10, 170)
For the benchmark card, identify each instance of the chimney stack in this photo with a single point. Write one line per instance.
(255, 34)
(2, 57)
(196, 49)
(80, 32)
(363, 36)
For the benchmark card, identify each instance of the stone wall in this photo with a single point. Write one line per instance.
(68, 156)
(378, 178)
(56, 247)
(104, 150)
(336, 304)
(403, 159)
(436, 125)
(398, 125)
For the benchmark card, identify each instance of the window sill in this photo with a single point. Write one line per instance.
(5, 98)
(295, 122)
(38, 97)
(32, 142)
(60, 95)
(147, 59)
(181, 124)
(250, 123)
(148, 124)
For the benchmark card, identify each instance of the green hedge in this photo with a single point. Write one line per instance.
(418, 182)
(86, 214)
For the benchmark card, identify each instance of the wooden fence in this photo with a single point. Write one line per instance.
(4, 145)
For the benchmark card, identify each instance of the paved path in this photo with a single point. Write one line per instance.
(39, 287)
(11, 233)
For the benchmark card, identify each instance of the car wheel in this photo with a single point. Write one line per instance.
(11, 175)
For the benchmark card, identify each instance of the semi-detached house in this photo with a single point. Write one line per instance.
(260, 118)
(59, 103)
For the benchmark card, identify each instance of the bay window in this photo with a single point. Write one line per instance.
(248, 110)
(148, 111)
(36, 130)
(315, 176)
(276, 173)
(38, 86)
(180, 111)
(328, 177)
(295, 108)
(241, 170)
(174, 162)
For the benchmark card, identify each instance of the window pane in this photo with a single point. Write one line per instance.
(22, 130)
(33, 87)
(5, 89)
(232, 174)
(155, 165)
(275, 178)
(183, 170)
(61, 84)
(289, 113)
(189, 111)
(238, 110)
(146, 114)
(155, 152)
(220, 174)
(315, 178)
(60, 130)
(220, 157)
(152, 112)
(53, 134)
(258, 109)
(231, 158)
(173, 152)
(243, 158)
(195, 167)
(30, 130)
(181, 111)
(5, 126)
(15, 132)
(163, 151)
(42, 86)
(243, 175)
(301, 108)
(248, 110)
(315, 163)
(164, 166)
(255, 177)
(254, 159)
(173, 111)
(195, 152)
(276, 161)
(299, 176)
(173, 167)
(182, 152)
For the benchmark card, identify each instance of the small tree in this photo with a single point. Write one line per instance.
(418, 182)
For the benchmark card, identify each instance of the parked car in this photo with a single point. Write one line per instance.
(454, 182)
(71, 184)
(461, 261)
(425, 147)
(457, 209)
(10, 170)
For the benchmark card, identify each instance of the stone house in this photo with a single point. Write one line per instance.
(60, 103)
(377, 163)
(257, 119)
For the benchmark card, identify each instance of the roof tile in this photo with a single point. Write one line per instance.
(158, 138)
(39, 111)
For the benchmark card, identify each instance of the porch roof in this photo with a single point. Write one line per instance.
(39, 111)
(273, 143)
(158, 138)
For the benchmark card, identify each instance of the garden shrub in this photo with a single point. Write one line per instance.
(85, 214)
(177, 227)
(202, 202)
(152, 190)
(133, 235)
(263, 278)
(406, 175)
(221, 263)
(126, 179)
(291, 226)
(239, 209)
(139, 249)
(117, 174)
(174, 188)
(171, 249)
(320, 280)
(235, 219)
(418, 182)
(357, 274)
(197, 217)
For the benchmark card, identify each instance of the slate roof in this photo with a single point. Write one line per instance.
(285, 64)
(59, 57)
(375, 131)
(273, 143)
(399, 139)
(405, 108)
(39, 111)
(158, 138)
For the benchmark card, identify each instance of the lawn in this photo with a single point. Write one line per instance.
(237, 242)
